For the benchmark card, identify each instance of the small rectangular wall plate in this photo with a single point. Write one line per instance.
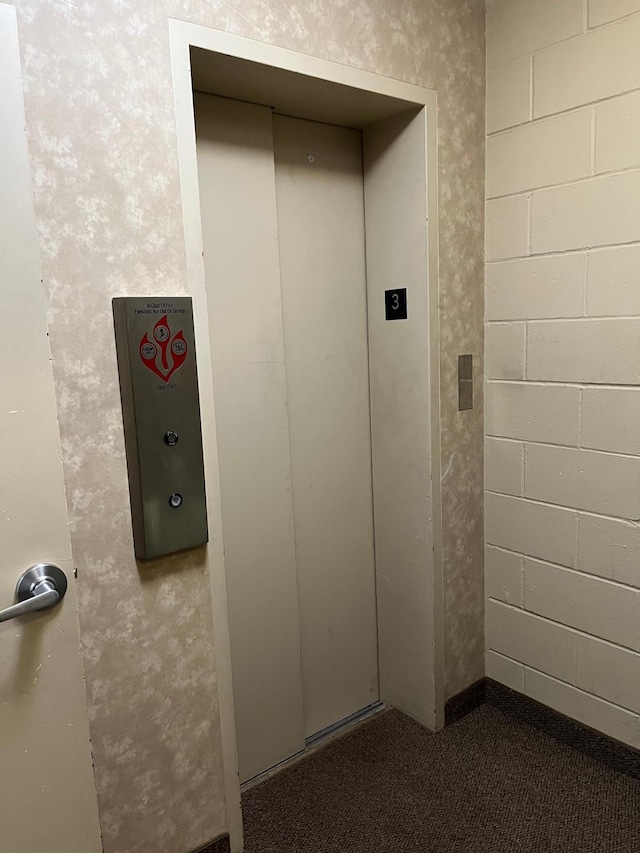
(161, 413)
(465, 382)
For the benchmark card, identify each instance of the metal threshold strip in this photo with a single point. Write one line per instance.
(347, 722)
(314, 741)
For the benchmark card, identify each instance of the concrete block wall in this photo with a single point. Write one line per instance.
(562, 407)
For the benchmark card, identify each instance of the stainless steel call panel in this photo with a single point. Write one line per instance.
(161, 413)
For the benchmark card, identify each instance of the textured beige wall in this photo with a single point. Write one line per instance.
(103, 153)
(563, 357)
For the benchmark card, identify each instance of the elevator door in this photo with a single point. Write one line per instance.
(283, 231)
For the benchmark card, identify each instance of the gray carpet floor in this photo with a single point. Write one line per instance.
(485, 784)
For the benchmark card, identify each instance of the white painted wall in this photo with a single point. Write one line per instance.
(563, 356)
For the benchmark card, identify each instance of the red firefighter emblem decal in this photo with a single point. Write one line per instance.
(164, 354)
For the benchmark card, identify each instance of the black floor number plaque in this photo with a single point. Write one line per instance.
(395, 304)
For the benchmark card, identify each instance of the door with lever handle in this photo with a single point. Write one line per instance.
(39, 588)
(47, 787)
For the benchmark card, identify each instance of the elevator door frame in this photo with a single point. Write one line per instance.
(398, 121)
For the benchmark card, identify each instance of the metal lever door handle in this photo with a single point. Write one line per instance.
(39, 588)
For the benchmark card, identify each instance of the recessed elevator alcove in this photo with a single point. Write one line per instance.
(316, 197)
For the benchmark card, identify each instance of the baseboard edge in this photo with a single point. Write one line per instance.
(218, 845)
(598, 746)
(465, 702)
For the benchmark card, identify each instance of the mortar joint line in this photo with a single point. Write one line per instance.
(593, 139)
(566, 111)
